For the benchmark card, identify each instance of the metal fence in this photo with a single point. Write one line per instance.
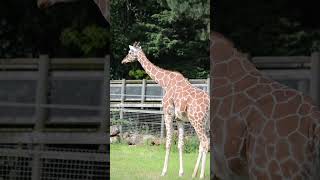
(136, 106)
(54, 119)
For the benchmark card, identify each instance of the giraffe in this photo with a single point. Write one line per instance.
(262, 130)
(104, 5)
(182, 102)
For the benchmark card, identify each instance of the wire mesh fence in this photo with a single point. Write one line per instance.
(143, 122)
(23, 162)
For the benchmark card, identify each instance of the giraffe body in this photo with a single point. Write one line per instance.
(262, 130)
(182, 102)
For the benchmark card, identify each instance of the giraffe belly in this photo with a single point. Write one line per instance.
(181, 115)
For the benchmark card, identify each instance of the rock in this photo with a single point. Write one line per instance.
(114, 139)
(156, 142)
(135, 139)
(114, 131)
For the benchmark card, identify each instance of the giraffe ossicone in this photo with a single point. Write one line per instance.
(181, 102)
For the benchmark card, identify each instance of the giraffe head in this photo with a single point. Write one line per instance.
(133, 53)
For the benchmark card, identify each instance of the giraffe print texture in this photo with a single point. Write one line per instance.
(262, 129)
(182, 102)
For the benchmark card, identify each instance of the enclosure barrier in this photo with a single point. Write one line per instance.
(54, 119)
(139, 101)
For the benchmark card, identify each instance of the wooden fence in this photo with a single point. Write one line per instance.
(299, 72)
(45, 98)
(47, 103)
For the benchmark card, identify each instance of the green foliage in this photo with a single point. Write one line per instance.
(138, 74)
(269, 28)
(169, 34)
(121, 122)
(191, 144)
(89, 40)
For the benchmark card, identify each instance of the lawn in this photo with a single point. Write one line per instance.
(146, 162)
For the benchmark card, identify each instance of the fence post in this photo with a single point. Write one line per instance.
(208, 85)
(41, 112)
(105, 103)
(143, 91)
(123, 97)
(162, 120)
(315, 78)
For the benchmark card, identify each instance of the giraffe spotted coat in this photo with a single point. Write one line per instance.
(262, 129)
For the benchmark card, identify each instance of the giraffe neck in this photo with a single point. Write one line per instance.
(156, 73)
(228, 62)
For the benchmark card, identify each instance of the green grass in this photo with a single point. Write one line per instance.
(146, 162)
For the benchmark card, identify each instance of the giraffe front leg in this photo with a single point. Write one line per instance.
(180, 146)
(169, 129)
(204, 142)
(195, 171)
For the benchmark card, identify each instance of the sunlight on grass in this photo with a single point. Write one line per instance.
(145, 162)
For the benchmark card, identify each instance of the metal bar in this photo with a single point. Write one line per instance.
(127, 105)
(105, 104)
(84, 156)
(53, 138)
(55, 106)
(315, 78)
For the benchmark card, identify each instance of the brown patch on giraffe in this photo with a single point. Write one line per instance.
(274, 166)
(220, 70)
(261, 157)
(217, 82)
(297, 142)
(270, 151)
(218, 130)
(255, 121)
(274, 169)
(283, 95)
(236, 166)
(266, 104)
(261, 175)
(240, 102)
(245, 83)
(248, 66)
(269, 132)
(221, 51)
(282, 150)
(235, 127)
(225, 108)
(258, 91)
(276, 85)
(264, 80)
(244, 112)
(287, 108)
(289, 168)
(235, 70)
(305, 124)
(222, 91)
(304, 109)
(287, 125)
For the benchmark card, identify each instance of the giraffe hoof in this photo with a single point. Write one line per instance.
(181, 174)
(163, 173)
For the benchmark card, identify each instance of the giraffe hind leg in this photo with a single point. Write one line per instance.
(169, 128)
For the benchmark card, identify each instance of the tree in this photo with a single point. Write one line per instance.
(174, 38)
